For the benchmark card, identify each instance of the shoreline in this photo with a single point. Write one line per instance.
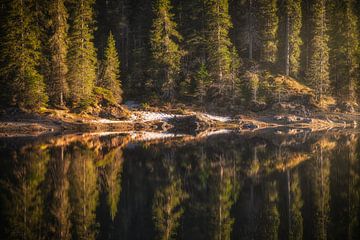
(162, 121)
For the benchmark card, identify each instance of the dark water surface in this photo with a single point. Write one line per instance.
(272, 185)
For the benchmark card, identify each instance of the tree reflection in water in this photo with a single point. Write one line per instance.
(273, 185)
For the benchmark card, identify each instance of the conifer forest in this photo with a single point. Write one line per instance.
(62, 53)
(179, 119)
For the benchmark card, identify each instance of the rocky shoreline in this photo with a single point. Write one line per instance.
(189, 122)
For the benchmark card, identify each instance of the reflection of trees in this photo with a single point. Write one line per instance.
(112, 178)
(320, 171)
(295, 204)
(269, 217)
(194, 186)
(167, 209)
(25, 200)
(354, 190)
(60, 205)
(224, 192)
(83, 192)
(215, 188)
(345, 189)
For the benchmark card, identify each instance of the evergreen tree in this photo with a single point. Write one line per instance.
(57, 84)
(219, 44)
(139, 52)
(317, 75)
(193, 29)
(268, 27)
(235, 87)
(111, 70)
(82, 55)
(292, 26)
(344, 49)
(251, 35)
(165, 49)
(201, 78)
(20, 56)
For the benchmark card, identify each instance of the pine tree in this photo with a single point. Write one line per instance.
(317, 75)
(82, 55)
(20, 56)
(193, 29)
(57, 84)
(202, 83)
(111, 70)
(140, 25)
(165, 49)
(234, 91)
(246, 28)
(344, 49)
(251, 33)
(219, 44)
(293, 42)
(268, 27)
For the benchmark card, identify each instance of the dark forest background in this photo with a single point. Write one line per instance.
(64, 52)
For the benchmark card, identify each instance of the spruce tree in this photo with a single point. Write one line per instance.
(110, 78)
(251, 34)
(202, 79)
(292, 26)
(165, 49)
(218, 42)
(317, 74)
(268, 27)
(57, 84)
(82, 55)
(193, 30)
(344, 49)
(140, 25)
(20, 56)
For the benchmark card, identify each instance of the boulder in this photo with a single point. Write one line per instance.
(257, 106)
(188, 123)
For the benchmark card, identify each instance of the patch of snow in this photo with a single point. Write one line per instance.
(156, 116)
(109, 121)
(217, 118)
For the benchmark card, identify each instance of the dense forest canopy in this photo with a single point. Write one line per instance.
(61, 53)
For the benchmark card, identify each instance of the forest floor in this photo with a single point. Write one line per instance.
(165, 120)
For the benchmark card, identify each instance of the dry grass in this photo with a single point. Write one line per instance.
(291, 85)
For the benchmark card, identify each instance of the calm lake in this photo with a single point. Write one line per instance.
(276, 184)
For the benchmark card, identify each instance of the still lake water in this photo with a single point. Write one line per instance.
(272, 185)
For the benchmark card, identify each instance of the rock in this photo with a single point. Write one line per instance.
(256, 106)
(188, 123)
(291, 108)
(291, 119)
(249, 126)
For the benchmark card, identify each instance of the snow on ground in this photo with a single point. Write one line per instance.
(147, 116)
(156, 116)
